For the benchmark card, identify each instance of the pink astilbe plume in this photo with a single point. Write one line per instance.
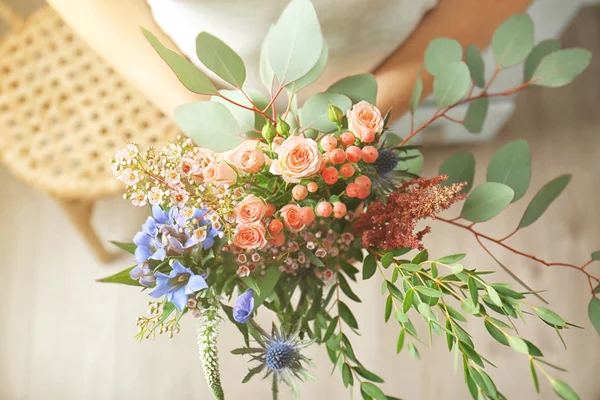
(392, 225)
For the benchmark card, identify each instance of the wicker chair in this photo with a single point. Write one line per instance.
(64, 113)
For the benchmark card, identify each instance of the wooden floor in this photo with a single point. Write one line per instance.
(63, 336)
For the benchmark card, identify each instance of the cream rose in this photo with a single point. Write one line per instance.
(251, 209)
(219, 173)
(292, 217)
(365, 121)
(250, 236)
(298, 158)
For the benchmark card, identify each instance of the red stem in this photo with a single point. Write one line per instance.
(253, 108)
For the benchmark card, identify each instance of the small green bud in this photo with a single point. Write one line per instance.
(334, 114)
(268, 132)
(283, 128)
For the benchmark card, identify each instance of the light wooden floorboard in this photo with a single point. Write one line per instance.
(63, 336)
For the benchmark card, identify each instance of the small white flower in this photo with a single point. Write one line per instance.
(187, 212)
(131, 150)
(179, 197)
(243, 271)
(155, 196)
(172, 177)
(129, 176)
(138, 199)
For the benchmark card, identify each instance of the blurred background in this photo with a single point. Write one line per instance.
(64, 113)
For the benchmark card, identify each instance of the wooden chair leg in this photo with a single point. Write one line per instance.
(80, 214)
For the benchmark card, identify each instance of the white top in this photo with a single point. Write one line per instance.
(360, 34)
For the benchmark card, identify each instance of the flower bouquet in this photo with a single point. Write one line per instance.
(269, 206)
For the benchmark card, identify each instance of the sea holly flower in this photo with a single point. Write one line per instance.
(178, 285)
(244, 305)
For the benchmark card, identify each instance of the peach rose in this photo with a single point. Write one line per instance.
(299, 157)
(292, 217)
(249, 160)
(250, 236)
(365, 121)
(219, 173)
(251, 209)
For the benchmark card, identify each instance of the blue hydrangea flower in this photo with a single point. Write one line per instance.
(178, 285)
(244, 305)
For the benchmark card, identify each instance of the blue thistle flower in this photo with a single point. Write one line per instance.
(386, 162)
(280, 355)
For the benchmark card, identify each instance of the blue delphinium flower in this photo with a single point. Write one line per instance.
(178, 285)
(244, 305)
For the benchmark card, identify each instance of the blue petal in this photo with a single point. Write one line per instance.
(192, 241)
(179, 298)
(159, 254)
(137, 272)
(142, 253)
(161, 289)
(200, 212)
(175, 245)
(180, 269)
(195, 284)
(150, 227)
(161, 216)
(208, 243)
(243, 307)
(142, 239)
(148, 281)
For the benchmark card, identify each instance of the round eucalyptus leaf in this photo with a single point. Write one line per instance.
(476, 114)
(476, 65)
(245, 118)
(513, 40)
(416, 94)
(486, 201)
(459, 167)
(266, 71)
(542, 200)
(314, 111)
(451, 84)
(217, 56)
(511, 165)
(540, 50)
(357, 88)
(313, 74)
(561, 67)
(441, 53)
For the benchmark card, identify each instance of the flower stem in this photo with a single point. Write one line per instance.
(208, 331)
(275, 388)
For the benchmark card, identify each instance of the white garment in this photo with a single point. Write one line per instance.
(360, 34)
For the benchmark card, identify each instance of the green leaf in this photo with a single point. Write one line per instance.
(368, 374)
(346, 289)
(314, 111)
(541, 50)
(561, 67)
(408, 300)
(563, 390)
(543, 199)
(596, 256)
(476, 114)
(550, 317)
(246, 350)
(121, 277)
(594, 313)
(511, 165)
(217, 56)
(473, 291)
(191, 77)
(496, 333)
(513, 40)
(347, 315)
(451, 259)
(266, 71)
(244, 118)
(295, 45)
(486, 201)
(357, 88)
(451, 84)
(373, 391)
(369, 266)
(387, 259)
(534, 376)
(415, 96)
(441, 53)
(457, 269)
(469, 307)
(313, 74)
(494, 296)
(389, 302)
(266, 285)
(330, 329)
(460, 167)
(518, 344)
(400, 343)
(422, 256)
(128, 247)
(347, 377)
(413, 351)
(252, 372)
(476, 65)
(427, 291)
(210, 125)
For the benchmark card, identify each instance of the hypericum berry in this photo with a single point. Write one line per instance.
(277, 240)
(337, 156)
(347, 138)
(352, 190)
(312, 187)
(353, 154)
(363, 192)
(275, 227)
(347, 170)
(324, 209)
(307, 214)
(330, 175)
(299, 192)
(269, 209)
(339, 209)
(328, 143)
(363, 180)
(368, 137)
(369, 154)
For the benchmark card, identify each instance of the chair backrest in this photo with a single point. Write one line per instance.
(12, 18)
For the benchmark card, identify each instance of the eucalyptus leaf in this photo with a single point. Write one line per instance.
(451, 84)
(476, 114)
(542, 200)
(357, 88)
(550, 317)
(561, 67)
(191, 77)
(540, 50)
(372, 391)
(476, 65)
(314, 111)
(313, 74)
(440, 53)
(596, 256)
(267, 75)
(563, 390)
(518, 344)
(594, 313)
(217, 56)
(513, 40)
(210, 125)
(295, 45)
(416, 94)
(460, 167)
(511, 165)
(486, 201)
(245, 118)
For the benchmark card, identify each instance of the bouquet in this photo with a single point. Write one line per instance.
(265, 205)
